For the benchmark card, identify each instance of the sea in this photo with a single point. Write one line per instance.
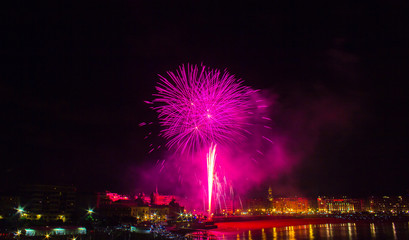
(360, 230)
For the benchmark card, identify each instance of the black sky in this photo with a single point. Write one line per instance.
(74, 77)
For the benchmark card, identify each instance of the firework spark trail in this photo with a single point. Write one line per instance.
(211, 159)
(219, 190)
(268, 139)
(202, 106)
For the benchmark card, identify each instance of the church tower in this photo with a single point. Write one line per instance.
(270, 194)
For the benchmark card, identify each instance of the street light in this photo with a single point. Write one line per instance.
(89, 216)
(20, 210)
(90, 211)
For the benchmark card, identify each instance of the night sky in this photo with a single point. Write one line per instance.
(74, 78)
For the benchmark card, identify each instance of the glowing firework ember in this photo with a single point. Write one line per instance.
(202, 107)
(211, 159)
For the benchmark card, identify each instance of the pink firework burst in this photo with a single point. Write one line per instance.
(200, 106)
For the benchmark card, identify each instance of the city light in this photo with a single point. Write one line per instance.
(90, 211)
(62, 217)
(20, 210)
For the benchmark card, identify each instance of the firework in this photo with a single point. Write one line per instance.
(198, 107)
(211, 159)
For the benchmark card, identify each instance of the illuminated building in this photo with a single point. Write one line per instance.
(131, 209)
(225, 207)
(154, 198)
(159, 212)
(394, 204)
(155, 208)
(118, 209)
(116, 197)
(341, 205)
(255, 204)
(229, 206)
(107, 198)
(290, 205)
(141, 212)
(48, 202)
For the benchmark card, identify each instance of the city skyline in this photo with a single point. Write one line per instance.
(75, 79)
(53, 211)
(53, 202)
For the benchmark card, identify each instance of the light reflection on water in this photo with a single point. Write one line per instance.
(373, 230)
(311, 231)
(263, 234)
(394, 230)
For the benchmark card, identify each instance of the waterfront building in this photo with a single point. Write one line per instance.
(290, 205)
(255, 206)
(228, 206)
(339, 205)
(393, 204)
(138, 209)
(142, 212)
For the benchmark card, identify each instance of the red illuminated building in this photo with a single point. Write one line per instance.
(139, 208)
